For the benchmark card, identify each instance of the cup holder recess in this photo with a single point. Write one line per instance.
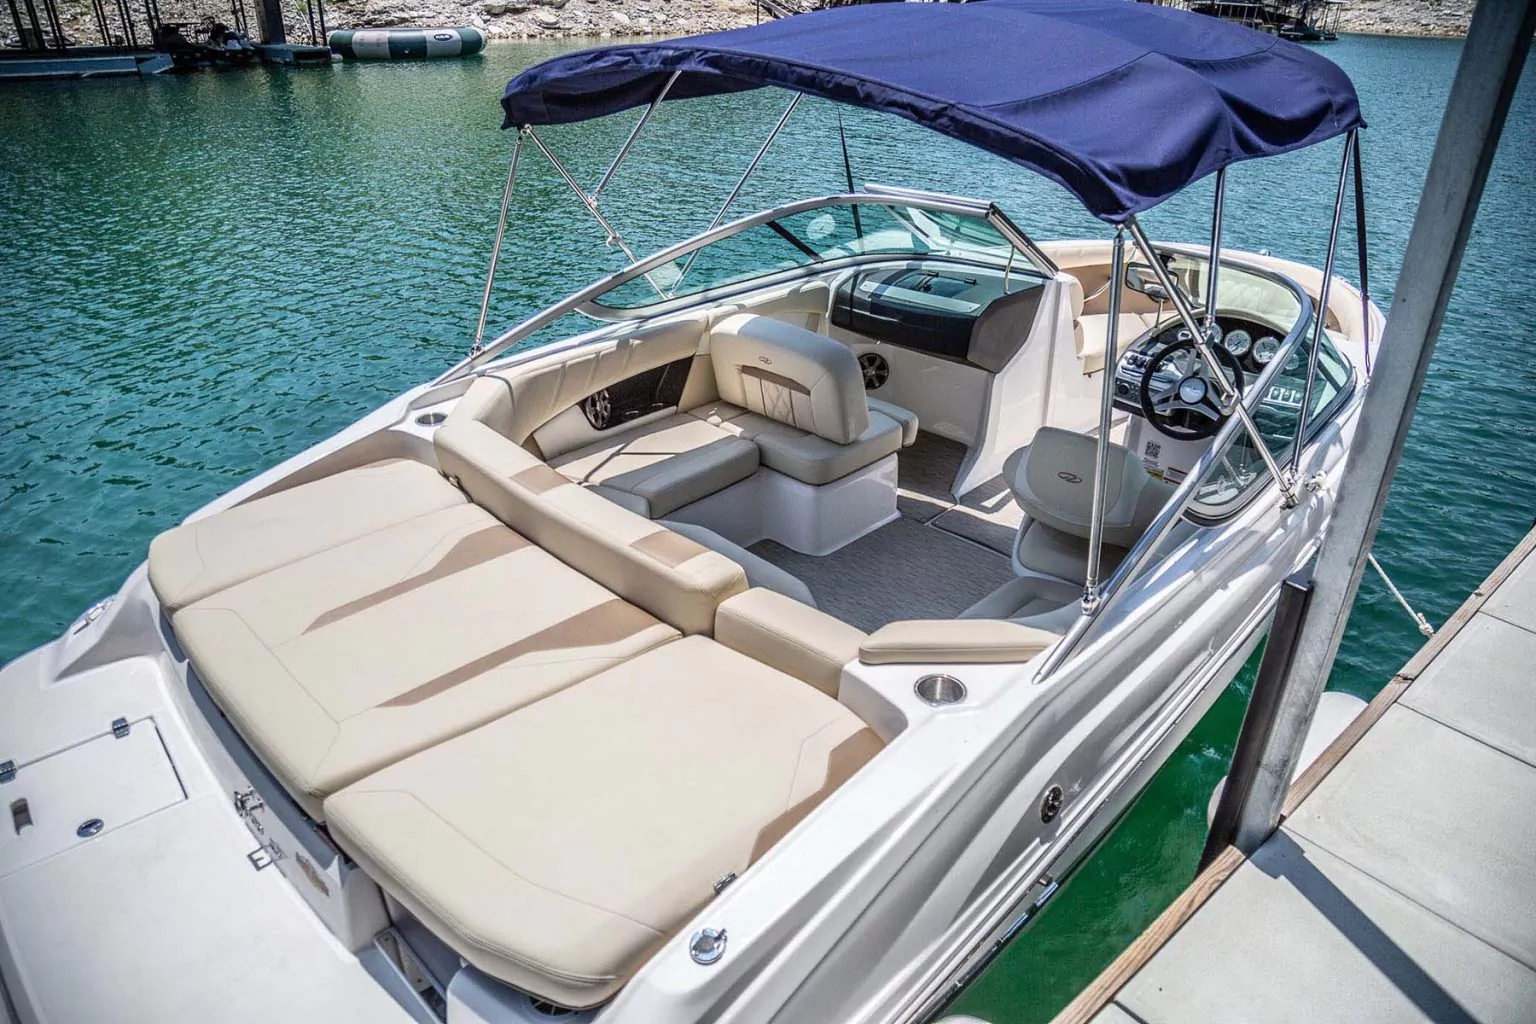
(940, 690)
(431, 419)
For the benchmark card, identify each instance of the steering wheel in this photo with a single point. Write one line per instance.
(1187, 409)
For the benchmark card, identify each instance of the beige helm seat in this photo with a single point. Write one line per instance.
(1052, 480)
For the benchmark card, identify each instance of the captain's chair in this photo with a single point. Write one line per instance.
(1052, 480)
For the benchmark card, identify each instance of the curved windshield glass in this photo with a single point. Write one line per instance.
(1239, 469)
(817, 236)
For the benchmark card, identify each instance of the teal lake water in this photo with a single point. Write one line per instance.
(200, 276)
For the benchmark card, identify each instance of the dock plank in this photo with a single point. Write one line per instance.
(1400, 883)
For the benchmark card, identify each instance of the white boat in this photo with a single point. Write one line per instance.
(765, 648)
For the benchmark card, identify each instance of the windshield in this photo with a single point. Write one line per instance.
(1240, 468)
(817, 236)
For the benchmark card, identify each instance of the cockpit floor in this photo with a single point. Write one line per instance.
(904, 570)
(938, 559)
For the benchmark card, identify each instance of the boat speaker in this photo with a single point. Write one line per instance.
(875, 369)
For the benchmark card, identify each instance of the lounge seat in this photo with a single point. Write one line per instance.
(788, 398)
(1052, 480)
(201, 557)
(341, 663)
(663, 465)
(556, 848)
(799, 396)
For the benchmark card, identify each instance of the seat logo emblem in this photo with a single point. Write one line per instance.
(765, 360)
(1071, 478)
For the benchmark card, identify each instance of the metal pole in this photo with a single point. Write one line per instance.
(1322, 300)
(1491, 59)
(324, 35)
(16, 20)
(1218, 208)
(633, 135)
(1106, 414)
(1259, 721)
(742, 182)
(614, 238)
(1360, 249)
(501, 230)
(1229, 393)
(37, 29)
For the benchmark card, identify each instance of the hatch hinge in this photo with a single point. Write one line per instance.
(7, 771)
(120, 728)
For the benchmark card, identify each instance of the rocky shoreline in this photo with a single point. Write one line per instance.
(1438, 18)
(555, 19)
(614, 19)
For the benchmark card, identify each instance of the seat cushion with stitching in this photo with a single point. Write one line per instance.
(561, 874)
(665, 464)
(336, 665)
(206, 555)
(804, 456)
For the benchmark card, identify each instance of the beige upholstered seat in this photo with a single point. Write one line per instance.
(799, 396)
(561, 874)
(338, 664)
(198, 558)
(1052, 480)
(663, 465)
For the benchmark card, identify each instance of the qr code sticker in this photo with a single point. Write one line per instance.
(1154, 450)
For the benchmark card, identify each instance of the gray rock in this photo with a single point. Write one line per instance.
(619, 18)
(556, 4)
(495, 7)
(546, 20)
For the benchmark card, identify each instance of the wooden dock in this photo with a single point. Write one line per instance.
(1401, 885)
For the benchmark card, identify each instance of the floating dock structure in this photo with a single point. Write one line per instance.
(1401, 882)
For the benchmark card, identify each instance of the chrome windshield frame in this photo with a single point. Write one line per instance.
(874, 196)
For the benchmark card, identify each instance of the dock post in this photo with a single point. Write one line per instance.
(1263, 710)
(269, 14)
(1491, 61)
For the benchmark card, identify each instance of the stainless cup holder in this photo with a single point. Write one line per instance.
(939, 690)
(431, 419)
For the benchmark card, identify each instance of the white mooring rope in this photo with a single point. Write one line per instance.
(1419, 620)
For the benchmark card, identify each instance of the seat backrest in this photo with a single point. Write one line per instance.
(674, 578)
(1052, 480)
(791, 375)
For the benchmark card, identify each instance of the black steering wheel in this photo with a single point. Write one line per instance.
(1187, 409)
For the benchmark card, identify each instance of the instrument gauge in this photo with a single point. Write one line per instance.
(1239, 342)
(1265, 349)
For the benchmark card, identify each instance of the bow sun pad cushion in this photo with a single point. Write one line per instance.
(563, 882)
(206, 555)
(347, 661)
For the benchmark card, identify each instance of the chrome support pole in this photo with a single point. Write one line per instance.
(742, 182)
(501, 230)
(1230, 398)
(1106, 414)
(1218, 208)
(633, 135)
(1322, 301)
(614, 238)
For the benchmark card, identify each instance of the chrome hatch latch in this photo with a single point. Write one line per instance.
(707, 946)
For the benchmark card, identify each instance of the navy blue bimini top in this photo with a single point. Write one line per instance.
(1122, 103)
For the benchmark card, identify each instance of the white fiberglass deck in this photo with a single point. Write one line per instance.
(1402, 887)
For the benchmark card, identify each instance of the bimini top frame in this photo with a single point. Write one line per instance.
(1122, 104)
